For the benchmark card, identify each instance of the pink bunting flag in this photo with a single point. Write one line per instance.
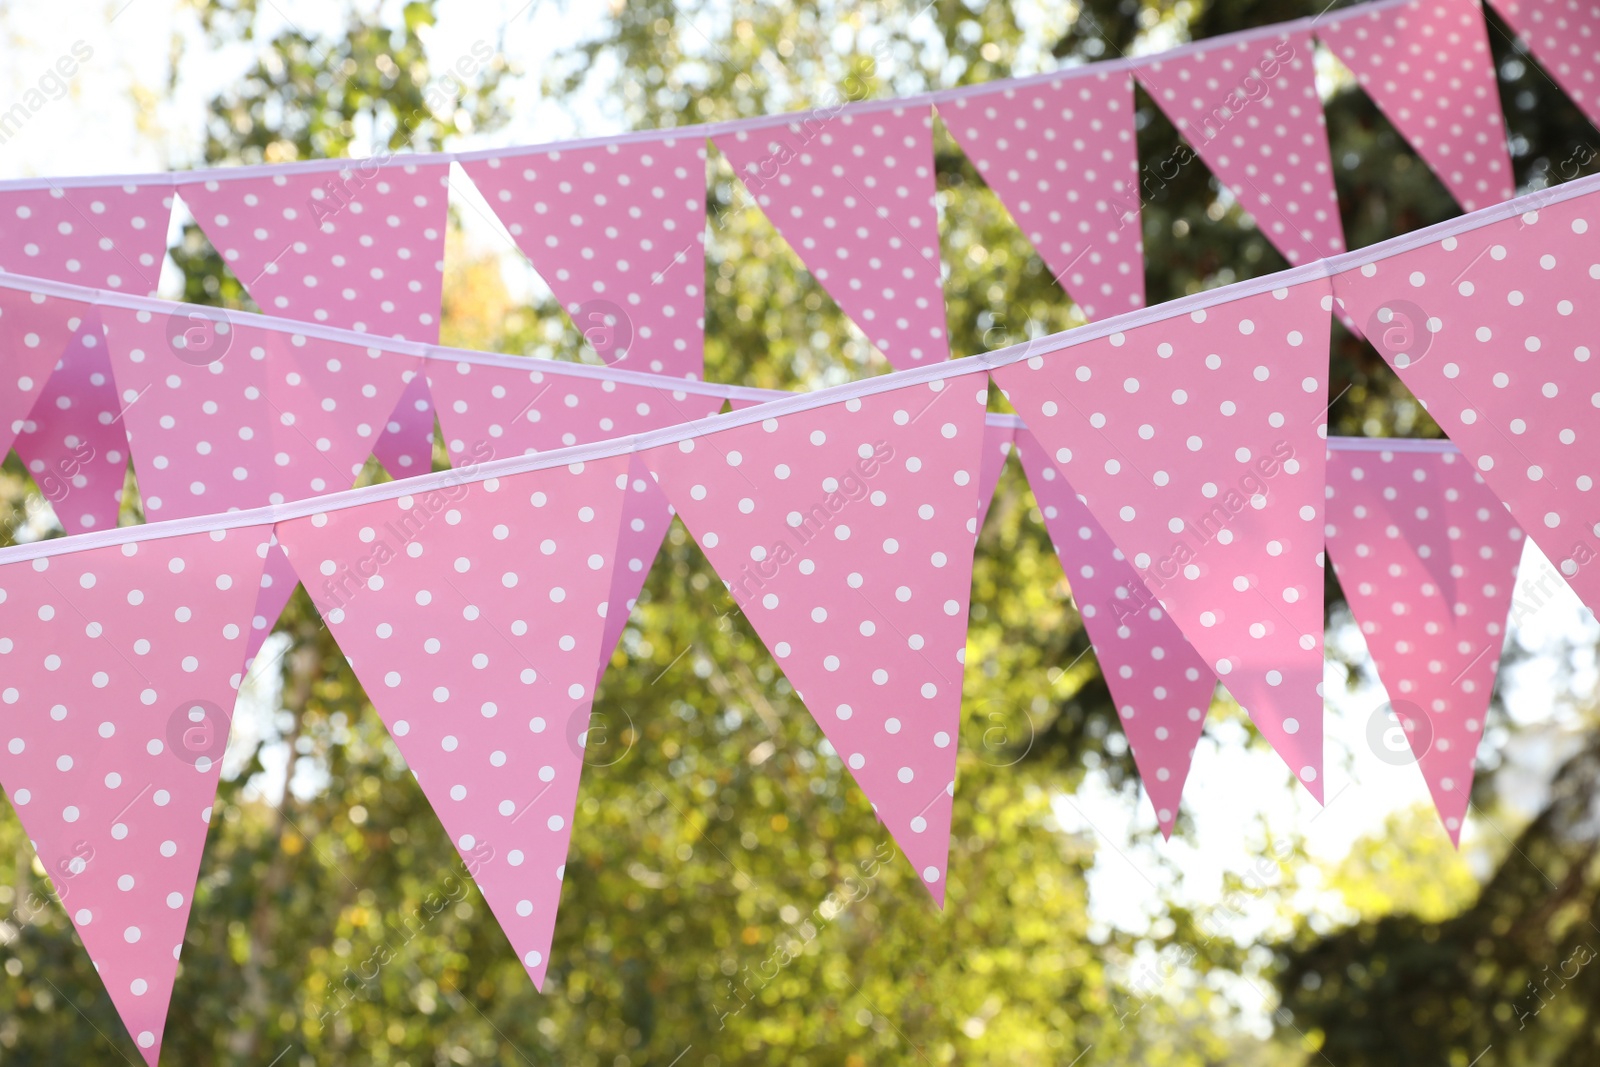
(109, 237)
(120, 668)
(618, 232)
(223, 416)
(1251, 110)
(35, 330)
(361, 248)
(1488, 329)
(1427, 558)
(1161, 686)
(999, 438)
(1061, 156)
(505, 410)
(854, 196)
(473, 617)
(845, 534)
(1427, 65)
(1197, 442)
(1564, 36)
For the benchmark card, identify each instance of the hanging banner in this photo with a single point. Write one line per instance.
(1487, 329)
(845, 534)
(618, 232)
(35, 331)
(1161, 686)
(1197, 442)
(999, 438)
(361, 248)
(473, 617)
(854, 196)
(110, 237)
(120, 667)
(1427, 558)
(1427, 66)
(1062, 158)
(1564, 36)
(1252, 112)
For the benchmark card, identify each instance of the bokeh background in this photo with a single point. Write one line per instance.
(730, 898)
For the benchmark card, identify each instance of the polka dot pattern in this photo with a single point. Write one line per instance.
(361, 249)
(1061, 156)
(473, 617)
(1504, 359)
(1251, 111)
(620, 223)
(109, 237)
(1161, 686)
(845, 534)
(999, 438)
(854, 196)
(1197, 442)
(1427, 558)
(517, 412)
(1427, 66)
(104, 653)
(1564, 36)
(37, 330)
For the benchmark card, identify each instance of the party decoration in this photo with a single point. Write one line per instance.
(1251, 110)
(999, 438)
(111, 237)
(360, 247)
(120, 666)
(1427, 558)
(34, 332)
(1426, 64)
(1161, 686)
(854, 195)
(618, 231)
(473, 616)
(1061, 156)
(1487, 329)
(1564, 36)
(845, 534)
(1197, 442)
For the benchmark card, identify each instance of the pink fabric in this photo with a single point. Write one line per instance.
(361, 248)
(1564, 36)
(998, 441)
(854, 196)
(1061, 156)
(473, 617)
(507, 412)
(1427, 65)
(1252, 112)
(1196, 441)
(109, 237)
(118, 672)
(1161, 686)
(845, 534)
(616, 231)
(35, 331)
(1427, 557)
(277, 417)
(1490, 333)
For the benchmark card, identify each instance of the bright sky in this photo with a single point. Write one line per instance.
(116, 117)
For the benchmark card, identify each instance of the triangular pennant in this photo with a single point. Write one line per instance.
(618, 232)
(999, 439)
(121, 666)
(1427, 65)
(1161, 686)
(108, 237)
(360, 248)
(1197, 442)
(35, 330)
(1488, 329)
(1427, 558)
(1061, 156)
(487, 411)
(473, 617)
(845, 534)
(1564, 36)
(854, 195)
(1252, 112)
